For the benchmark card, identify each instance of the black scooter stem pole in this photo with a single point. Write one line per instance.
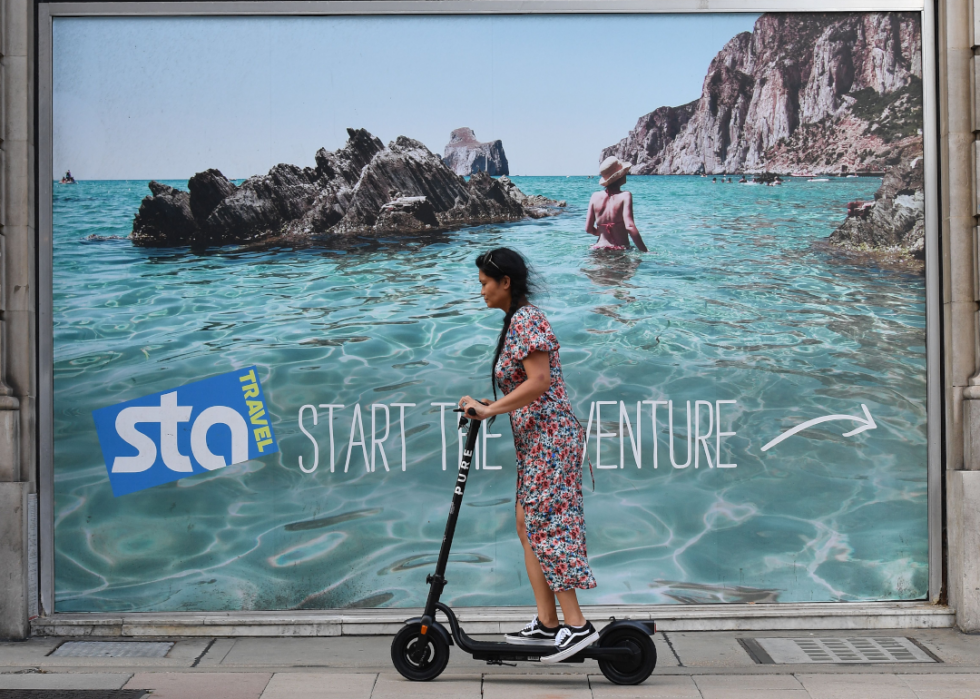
(438, 581)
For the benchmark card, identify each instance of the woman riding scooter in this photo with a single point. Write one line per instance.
(548, 440)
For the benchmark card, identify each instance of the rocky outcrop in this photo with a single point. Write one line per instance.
(408, 214)
(260, 207)
(464, 155)
(894, 221)
(815, 92)
(164, 219)
(207, 190)
(535, 205)
(363, 188)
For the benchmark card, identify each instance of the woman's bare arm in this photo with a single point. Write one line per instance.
(631, 224)
(538, 370)
(590, 218)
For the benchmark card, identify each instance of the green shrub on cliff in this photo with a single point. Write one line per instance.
(891, 116)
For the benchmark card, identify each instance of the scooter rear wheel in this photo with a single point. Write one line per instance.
(629, 670)
(419, 658)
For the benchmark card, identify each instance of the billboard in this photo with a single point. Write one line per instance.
(301, 200)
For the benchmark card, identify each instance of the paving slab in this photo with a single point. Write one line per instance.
(201, 685)
(750, 687)
(394, 686)
(656, 687)
(708, 649)
(189, 649)
(64, 680)
(966, 686)
(665, 654)
(928, 682)
(319, 685)
(856, 686)
(342, 651)
(736, 693)
(537, 687)
(747, 682)
(216, 652)
(950, 693)
(29, 652)
(952, 647)
(183, 654)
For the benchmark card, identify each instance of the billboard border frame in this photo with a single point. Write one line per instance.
(48, 11)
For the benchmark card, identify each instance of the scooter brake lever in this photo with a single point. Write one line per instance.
(469, 411)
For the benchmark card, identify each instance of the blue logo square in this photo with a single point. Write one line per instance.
(197, 428)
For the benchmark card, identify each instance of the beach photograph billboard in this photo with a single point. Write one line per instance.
(288, 209)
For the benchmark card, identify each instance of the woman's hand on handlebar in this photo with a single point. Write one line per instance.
(481, 408)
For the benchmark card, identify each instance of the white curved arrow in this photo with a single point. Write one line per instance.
(868, 424)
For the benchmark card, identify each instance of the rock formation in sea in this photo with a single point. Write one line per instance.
(814, 92)
(894, 221)
(164, 219)
(364, 188)
(464, 155)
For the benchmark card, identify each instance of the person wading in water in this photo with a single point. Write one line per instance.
(611, 212)
(548, 440)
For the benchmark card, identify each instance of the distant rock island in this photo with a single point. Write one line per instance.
(465, 156)
(814, 93)
(362, 189)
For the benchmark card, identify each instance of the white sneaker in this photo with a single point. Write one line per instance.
(534, 634)
(570, 640)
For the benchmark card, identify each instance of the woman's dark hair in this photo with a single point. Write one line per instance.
(497, 264)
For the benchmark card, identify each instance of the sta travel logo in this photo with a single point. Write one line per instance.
(200, 427)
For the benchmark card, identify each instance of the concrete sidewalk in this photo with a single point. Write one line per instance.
(692, 665)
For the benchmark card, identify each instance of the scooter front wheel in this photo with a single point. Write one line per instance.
(419, 658)
(631, 670)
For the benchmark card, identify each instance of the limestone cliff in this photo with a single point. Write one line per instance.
(464, 155)
(646, 144)
(823, 93)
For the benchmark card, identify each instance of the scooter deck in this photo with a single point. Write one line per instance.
(496, 651)
(492, 651)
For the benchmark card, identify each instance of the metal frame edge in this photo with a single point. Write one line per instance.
(45, 375)
(383, 7)
(47, 11)
(934, 388)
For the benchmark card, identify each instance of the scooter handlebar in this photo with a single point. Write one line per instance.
(471, 411)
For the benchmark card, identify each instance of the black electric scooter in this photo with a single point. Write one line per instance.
(420, 651)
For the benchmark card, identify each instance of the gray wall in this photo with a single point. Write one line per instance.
(959, 37)
(18, 350)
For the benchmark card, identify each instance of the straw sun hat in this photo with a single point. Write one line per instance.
(612, 169)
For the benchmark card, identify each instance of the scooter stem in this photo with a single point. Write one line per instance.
(437, 581)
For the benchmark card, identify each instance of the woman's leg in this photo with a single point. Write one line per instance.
(543, 596)
(570, 609)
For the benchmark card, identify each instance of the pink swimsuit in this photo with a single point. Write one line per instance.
(608, 228)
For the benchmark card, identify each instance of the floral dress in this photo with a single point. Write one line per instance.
(548, 440)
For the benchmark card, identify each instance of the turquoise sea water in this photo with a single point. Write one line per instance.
(733, 303)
